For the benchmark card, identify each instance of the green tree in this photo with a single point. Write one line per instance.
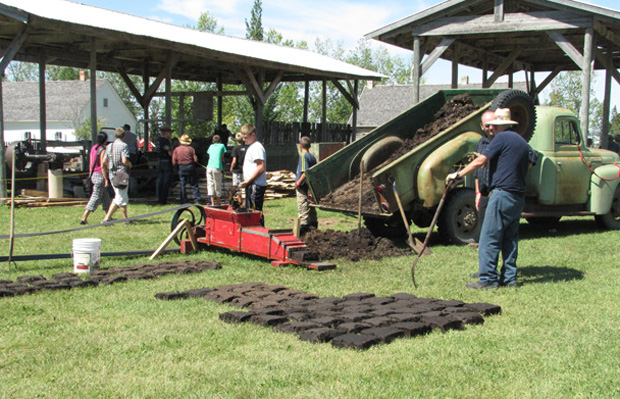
(566, 93)
(254, 29)
(84, 132)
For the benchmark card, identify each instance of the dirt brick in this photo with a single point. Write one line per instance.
(296, 326)
(378, 321)
(316, 335)
(444, 323)
(327, 321)
(358, 296)
(30, 279)
(469, 318)
(167, 296)
(268, 320)
(4, 292)
(354, 317)
(485, 309)
(384, 334)
(235, 317)
(403, 296)
(404, 317)
(412, 328)
(353, 327)
(355, 341)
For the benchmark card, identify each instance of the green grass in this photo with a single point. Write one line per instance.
(558, 336)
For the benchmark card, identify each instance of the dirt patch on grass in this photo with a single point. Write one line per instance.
(354, 245)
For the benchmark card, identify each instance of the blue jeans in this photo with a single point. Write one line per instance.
(254, 198)
(187, 173)
(164, 177)
(500, 232)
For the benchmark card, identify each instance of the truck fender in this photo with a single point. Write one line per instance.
(602, 191)
(434, 169)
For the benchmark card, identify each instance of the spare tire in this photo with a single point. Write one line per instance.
(521, 110)
(380, 151)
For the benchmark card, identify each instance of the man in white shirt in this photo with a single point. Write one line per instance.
(254, 171)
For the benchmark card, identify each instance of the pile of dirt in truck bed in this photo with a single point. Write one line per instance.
(354, 245)
(356, 321)
(347, 195)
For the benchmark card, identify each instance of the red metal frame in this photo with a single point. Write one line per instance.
(240, 231)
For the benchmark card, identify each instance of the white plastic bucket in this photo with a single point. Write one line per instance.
(86, 253)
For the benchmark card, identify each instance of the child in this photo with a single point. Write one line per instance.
(307, 214)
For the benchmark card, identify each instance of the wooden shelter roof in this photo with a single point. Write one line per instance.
(533, 34)
(65, 32)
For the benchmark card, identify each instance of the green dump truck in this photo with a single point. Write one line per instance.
(569, 179)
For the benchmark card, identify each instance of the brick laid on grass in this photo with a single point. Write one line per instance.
(485, 309)
(384, 334)
(235, 317)
(355, 341)
(168, 296)
(413, 328)
(316, 335)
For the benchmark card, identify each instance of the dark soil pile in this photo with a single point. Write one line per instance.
(65, 281)
(358, 321)
(347, 195)
(354, 245)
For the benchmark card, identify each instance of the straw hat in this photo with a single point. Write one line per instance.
(502, 117)
(185, 140)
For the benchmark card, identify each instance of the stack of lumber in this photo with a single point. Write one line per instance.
(44, 202)
(280, 184)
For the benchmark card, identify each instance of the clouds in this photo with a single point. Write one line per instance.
(341, 21)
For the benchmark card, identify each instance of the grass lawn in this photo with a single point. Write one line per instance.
(558, 335)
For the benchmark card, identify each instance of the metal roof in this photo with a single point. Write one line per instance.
(485, 43)
(64, 31)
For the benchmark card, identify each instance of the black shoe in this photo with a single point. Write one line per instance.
(480, 285)
(475, 275)
(83, 222)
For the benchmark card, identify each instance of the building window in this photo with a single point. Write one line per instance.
(59, 136)
(27, 135)
(105, 102)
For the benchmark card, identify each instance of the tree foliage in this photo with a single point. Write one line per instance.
(566, 92)
(254, 28)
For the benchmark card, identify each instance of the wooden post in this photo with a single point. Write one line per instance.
(181, 114)
(3, 185)
(323, 113)
(42, 104)
(354, 117)
(584, 114)
(93, 91)
(219, 101)
(607, 99)
(415, 73)
(168, 92)
(455, 70)
(146, 79)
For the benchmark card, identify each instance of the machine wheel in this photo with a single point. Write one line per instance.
(194, 214)
(521, 110)
(391, 227)
(611, 220)
(546, 221)
(458, 221)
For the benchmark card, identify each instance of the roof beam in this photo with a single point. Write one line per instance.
(502, 68)
(600, 57)
(602, 30)
(14, 47)
(350, 98)
(14, 13)
(435, 54)
(513, 22)
(538, 89)
(567, 46)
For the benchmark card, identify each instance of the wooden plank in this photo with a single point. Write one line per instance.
(513, 22)
(567, 46)
(498, 11)
(182, 224)
(14, 47)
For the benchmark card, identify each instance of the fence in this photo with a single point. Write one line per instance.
(289, 133)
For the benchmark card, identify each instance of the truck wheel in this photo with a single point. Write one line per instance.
(521, 110)
(458, 221)
(611, 220)
(380, 151)
(391, 227)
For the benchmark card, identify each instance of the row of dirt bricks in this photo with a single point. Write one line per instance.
(358, 320)
(65, 281)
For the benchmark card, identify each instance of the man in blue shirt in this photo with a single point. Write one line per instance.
(507, 157)
(306, 213)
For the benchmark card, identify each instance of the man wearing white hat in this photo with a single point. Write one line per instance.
(507, 155)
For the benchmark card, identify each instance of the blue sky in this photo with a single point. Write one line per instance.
(342, 22)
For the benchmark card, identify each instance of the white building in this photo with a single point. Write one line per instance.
(67, 108)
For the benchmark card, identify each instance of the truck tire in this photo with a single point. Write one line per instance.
(611, 220)
(521, 110)
(458, 221)
(391, 227)
(380, 151)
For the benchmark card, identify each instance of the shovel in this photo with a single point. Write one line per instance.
(413, 242)
(430, 230)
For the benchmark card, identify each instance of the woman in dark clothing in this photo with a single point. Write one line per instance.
(99, 180)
